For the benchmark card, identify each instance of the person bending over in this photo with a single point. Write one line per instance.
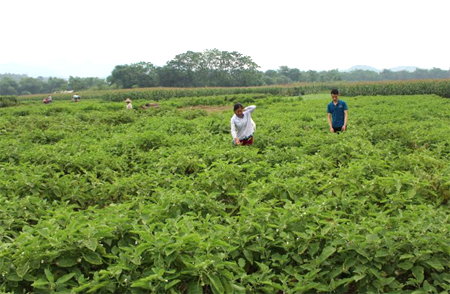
(242, 125)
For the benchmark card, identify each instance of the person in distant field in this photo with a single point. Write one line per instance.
(49, 99)
(242, 125)
(128, 101)
(45, 101)
(76, 98)
(337, 113)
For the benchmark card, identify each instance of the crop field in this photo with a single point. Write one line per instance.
(415, 87)
(95, 198)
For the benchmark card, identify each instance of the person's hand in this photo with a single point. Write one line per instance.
(332, 130)
(344, 128)
(236, 141)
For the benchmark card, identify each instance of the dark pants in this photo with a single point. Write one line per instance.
(248, 141)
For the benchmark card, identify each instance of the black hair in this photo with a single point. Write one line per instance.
(335, 92)
(237, 106)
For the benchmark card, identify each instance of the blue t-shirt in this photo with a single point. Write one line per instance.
(337, 113)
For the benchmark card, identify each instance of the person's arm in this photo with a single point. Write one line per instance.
(345, 120)
(330, 123)
(250, 108)
(234, 133)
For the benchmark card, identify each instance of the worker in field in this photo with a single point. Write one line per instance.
(76, 98)
(242, 125)
(337, 113)
(128, 101)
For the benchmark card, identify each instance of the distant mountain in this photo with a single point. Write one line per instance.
(363, 67)
(395, 69)
(407, 68)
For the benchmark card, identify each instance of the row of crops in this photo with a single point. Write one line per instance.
(99, 199)
(437, 87)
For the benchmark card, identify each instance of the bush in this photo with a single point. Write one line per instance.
(6, 101)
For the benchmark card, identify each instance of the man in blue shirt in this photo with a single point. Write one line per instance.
(337, 113)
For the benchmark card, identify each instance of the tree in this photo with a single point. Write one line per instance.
(8, 86)
(141, 74)
(387, 75)
(213, 68)
(312, 76)
(32, 85)
(55, 84)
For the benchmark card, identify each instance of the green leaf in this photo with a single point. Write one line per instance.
(98, 286)
(171, 284)
(90, 243)
(382, 253)
(241, 262)
(12, 276)
(194, 288)
(429, 288)
(313, 249)
(405, 265)
(65, 278)
(418, 273)
(23, 269)
(66, 262)
(226, 284)
(144, 282)
(40, 283)
(49, 275)
(406, 256)
(435, 263)
(349, 262)
(358, 277)
(248, 255)
(216, 284)
(92, 257)
(239, 289)
(327, 252)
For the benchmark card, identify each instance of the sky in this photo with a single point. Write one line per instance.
(88, 38)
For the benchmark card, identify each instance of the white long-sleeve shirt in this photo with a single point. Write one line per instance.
(243, 127)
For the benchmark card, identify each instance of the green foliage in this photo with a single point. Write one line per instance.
(99, 199)
(437, 87)
(79, 84)
(6, 101)
(137, 75)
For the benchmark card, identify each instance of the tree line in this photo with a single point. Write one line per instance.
(210, 68)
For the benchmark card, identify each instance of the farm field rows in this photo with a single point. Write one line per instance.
(99, 199)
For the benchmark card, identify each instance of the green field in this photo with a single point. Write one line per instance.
(98, 199)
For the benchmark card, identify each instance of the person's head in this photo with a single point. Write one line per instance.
(238, 109)
(335, 94)
(128, 101)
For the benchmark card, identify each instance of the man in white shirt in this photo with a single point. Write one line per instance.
(242, 125)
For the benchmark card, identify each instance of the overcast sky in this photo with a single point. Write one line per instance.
(87, 38)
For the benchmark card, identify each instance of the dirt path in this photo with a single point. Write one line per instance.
(210, 108)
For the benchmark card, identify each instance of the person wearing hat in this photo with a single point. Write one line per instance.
(128, 101)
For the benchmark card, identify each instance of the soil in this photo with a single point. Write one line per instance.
(210, 108)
